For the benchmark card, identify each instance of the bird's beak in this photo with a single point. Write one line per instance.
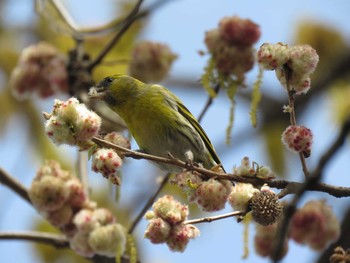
(96, 93)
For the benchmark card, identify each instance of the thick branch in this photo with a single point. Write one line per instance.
(14, 185)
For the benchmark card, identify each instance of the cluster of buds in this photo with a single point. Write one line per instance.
(72, 123)
(298, 139)
(315, 225)
(41, 70)
(107, 161)
(61, 199)
(293, 65)
(210, 195)
(151, 61)
(166, 224)
(231, 45)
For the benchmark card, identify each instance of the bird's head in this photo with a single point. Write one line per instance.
(116, 90)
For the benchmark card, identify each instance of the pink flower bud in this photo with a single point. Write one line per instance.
(85, 221)
(150, 61)
(315, 225)
(272, 56)
(118, 139)
(239, 31)
(77, 197)
(188, 182)
(180, 235)
(60, 217)
(298, 139)
(303, 59)
(106, 162)
(48, 193)
(157, 230)
(103, 216)
(42, 70)
(72, 123)
(170, 210)
(212, 194)
(80, 244)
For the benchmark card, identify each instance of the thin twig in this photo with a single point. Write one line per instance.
(311, 181)
(149, 203)
(214, 218)
(208, 103)
(14, 185)
(129, 20)
(337, 191)
(56, 240)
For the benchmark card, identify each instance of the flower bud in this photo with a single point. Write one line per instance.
(180, 235)
(272, 56)
(298, 139)
(150, 61)
(118, 139)
(72, 123)
(188, 182)
(315, 225)
(106, 162)
(84, 221)
(157, 230)
(42, 70)
(80, 244)
(236, 30)
(212, 194)
(107, 240)
(77, 197)
(240, 196)
(60, 217)
(49, 193)
(170, 210)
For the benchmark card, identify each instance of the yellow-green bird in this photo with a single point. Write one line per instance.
(158, 120)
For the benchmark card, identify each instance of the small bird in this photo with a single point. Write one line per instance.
(158, 121)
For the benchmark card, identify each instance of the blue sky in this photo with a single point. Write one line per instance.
(181, 24)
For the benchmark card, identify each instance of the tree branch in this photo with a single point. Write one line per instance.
(293, 187)
(14, 185)
(214, 218)
(56, 240)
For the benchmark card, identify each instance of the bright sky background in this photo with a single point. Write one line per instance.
(181, 24)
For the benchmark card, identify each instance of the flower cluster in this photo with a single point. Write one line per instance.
(151, 61)
(72, 123)
(107, 161)
(231, 45)
(60, 198)
(210, 195)
(42, 70)
(315, 225)
(264, 240)
(292, 64)
(298, 139)
(166, 224)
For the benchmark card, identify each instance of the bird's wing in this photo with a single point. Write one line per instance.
(188, 115)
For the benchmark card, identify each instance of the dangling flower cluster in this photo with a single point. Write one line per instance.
(264, 240)
(107, 161)
(293, 64)
(315, 225)
(151, 61)
(72, 123)
(166, 224)
(60, 198)
(210, 195)
(42, 70)
(231, 45)
(298, 139)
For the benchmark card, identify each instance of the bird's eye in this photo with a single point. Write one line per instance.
(108, 80)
